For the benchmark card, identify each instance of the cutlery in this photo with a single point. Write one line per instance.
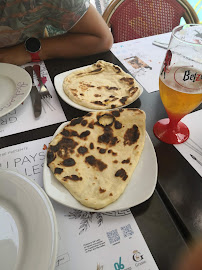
(194, 146)
(160, 44)
(196, 159)
(35, 96)
(43, 89)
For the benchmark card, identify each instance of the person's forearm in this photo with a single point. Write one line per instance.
(73, 45)
(16, 55)
(65, 46)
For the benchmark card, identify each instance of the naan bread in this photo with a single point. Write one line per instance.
(95, 155)
(101, 86)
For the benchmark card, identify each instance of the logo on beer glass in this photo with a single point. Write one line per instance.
(189, 78)
(166, 63)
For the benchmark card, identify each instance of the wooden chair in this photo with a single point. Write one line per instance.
(131, 19)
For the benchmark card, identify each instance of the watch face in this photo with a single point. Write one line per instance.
(33, 45)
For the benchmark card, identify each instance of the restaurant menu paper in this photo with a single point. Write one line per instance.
(143, 59)
(22, 118)
(192, 148)
(87, 240)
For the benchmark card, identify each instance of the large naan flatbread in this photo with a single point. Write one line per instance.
(101, 86)
(94, 156)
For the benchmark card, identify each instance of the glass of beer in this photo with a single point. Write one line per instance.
(180, 82)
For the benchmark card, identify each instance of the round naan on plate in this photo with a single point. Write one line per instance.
(94, 156)
(101, 86)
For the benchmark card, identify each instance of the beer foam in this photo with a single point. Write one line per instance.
(191, 34)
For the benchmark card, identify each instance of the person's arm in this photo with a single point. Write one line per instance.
(89, 36)
(191, 259)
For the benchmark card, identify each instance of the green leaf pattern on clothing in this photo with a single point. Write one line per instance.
(22, 19)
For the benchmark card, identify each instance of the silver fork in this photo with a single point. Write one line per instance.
(44, 93)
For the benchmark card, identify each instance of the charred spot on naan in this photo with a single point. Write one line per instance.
(101, 150)
(84, 122)
(128, 80)
(117, 125)
(82, 150)
(96, 163)
(72, 177)
(98, 102)
(91, 125)
(126, 161)
(107, 137)
(101, 190)
(117, 69)
(76, 121)
(96, 70)
(58, 170)
(84, 134)
(91, 145)
(50, 157)
(122, 174)
(64, 147)
(131, 135)
(116, 113)
(69, 133)
(112, 152)
(123, 100)
(69, 162)
(133, 90)
(111, 88)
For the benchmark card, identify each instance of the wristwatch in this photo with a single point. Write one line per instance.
(33, 46)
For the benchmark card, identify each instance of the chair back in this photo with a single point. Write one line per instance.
(131, 19)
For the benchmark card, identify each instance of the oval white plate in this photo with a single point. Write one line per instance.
(58, 82)
(28, 230)
(15, 87)
(139, 189)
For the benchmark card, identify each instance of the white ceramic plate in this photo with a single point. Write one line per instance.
(28, 230)
(139, 189)
(58, 81)
(15, 85)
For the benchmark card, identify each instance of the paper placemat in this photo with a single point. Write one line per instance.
(143, 59)
(22, 118)
(93, 241)
(192, 148)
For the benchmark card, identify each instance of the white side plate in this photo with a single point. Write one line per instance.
(58, 82)
(139, 189)
(28, 230)
(15, 85)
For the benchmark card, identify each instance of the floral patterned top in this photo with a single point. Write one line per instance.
(20, 19)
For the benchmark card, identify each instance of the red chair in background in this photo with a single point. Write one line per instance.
(131, 19)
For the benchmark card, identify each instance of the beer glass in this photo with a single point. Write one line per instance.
(180, 82)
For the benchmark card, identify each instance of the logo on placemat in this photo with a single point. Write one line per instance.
(119, 265)
(138, 258)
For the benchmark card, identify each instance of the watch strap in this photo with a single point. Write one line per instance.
(35, 56)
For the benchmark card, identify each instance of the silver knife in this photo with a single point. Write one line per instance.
(35, 96)
(160, 44)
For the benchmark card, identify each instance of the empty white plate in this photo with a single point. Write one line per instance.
(28, 228)
(15, 87)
